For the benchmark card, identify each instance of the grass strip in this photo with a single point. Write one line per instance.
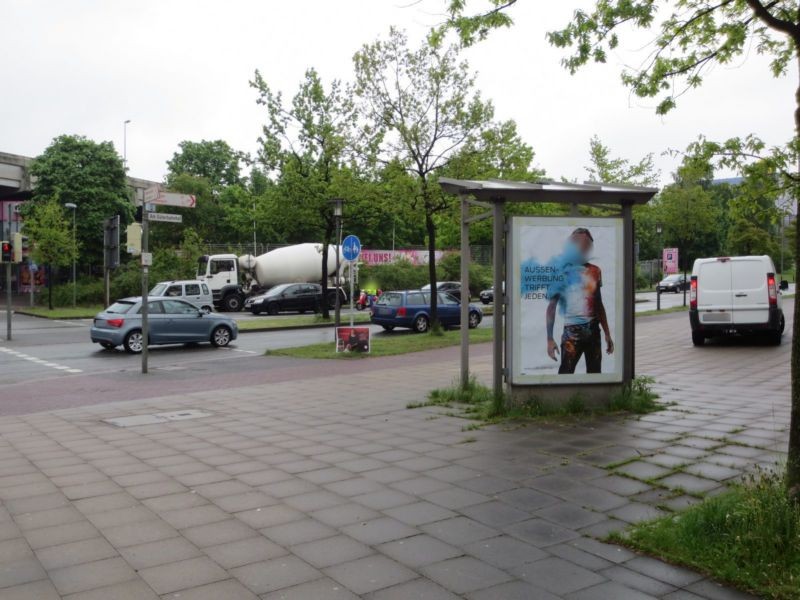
(387, 344)
(300, 321)
(748, 537)
(79, 312)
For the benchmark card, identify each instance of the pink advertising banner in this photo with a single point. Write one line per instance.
(381, 257)
(670, 259)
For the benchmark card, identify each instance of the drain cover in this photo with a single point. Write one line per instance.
(155, 419)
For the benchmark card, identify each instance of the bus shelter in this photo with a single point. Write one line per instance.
(563, 287)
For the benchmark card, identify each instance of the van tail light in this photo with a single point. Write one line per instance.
(693, 293)
(401, 312)
(116, 322)
(772, 289)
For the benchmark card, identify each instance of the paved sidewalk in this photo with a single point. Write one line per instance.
(331, 489)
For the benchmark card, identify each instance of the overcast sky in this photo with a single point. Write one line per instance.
(179, 70)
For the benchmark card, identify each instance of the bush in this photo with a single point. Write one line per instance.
(480, 276)
(399, 275)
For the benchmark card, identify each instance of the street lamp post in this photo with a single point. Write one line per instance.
(125, 143)
(74, 208)
(337, 215)
(659, 229)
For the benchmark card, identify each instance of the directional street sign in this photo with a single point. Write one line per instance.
(166, 217)
(351, 248)
(155, 195)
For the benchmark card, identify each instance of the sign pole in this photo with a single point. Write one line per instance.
(8, 301)
(352, 264)
(145, 285)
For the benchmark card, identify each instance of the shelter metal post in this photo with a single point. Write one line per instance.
(465, 260)
(498, 259)
(629, 291)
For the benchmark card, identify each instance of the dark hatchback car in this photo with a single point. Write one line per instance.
(287, 297)
(673, 283)
(448, 287)
(412, 309)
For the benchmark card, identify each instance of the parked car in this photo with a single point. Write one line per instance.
(673, 283)
(448, 287)
(735, 295)
(487, 296)
(191, 290)
(170, 321)
(412, 309)
(287, 297)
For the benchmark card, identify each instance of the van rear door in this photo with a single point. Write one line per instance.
(750, 296)
(714, 295)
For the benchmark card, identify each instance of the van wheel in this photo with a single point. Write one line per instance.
(421, 324)
(698, 339)
(775, 337)
(782, 326)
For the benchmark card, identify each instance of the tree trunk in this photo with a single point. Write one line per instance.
(49, 286)
(793, 459)
(431, 228)
(326, 242)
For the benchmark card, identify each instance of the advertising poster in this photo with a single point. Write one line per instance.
(670, 259)
(566, 280)
(352, 339)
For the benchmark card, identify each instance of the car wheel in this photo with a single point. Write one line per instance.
(474, 319)
(255, 311)
(107, 345)
(232, 303)
(134, 342)
(221, 337)
(388, 327)
(698, 339)
(421, 324)
(272, 309)
(301, 311)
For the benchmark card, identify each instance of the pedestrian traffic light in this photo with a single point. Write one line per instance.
(6, 253)
(19, 243)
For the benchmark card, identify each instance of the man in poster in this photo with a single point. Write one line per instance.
(581, 303)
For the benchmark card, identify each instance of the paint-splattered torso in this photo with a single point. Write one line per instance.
(578, 299)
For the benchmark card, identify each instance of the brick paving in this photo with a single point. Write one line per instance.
(330, 488)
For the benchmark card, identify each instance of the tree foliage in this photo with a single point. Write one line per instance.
(213, 160)
(606, 169)
(91, 176)
(421, 107)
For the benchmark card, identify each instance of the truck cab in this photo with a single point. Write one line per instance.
(221, 273)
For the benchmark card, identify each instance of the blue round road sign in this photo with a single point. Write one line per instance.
(351, 248)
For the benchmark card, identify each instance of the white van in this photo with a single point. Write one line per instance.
(735, 295)
(193, 291)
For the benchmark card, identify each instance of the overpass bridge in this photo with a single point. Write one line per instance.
(16, 187)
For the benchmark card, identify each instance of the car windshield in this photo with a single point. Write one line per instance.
(672, 278)
(119, 308)
(159, 289)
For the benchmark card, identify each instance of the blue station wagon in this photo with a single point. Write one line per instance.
(412, 309)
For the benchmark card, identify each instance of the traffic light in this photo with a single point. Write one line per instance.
(6, 252)
(111, 242)
(19, 243)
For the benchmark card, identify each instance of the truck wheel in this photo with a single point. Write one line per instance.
(232, 303)
(134, 342)
(221, 337)
(421, 324)
(698, 339)
(272, 308)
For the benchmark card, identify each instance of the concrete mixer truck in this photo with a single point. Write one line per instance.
(233, 278)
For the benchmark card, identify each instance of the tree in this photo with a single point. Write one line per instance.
(307, 143)
(90, 175)
(213, 160)
(605, 169)
(50, 231)
(691, 37)
(421, 107)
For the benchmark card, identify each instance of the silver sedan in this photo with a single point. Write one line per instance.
(170, 321)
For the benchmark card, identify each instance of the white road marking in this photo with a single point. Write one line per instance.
(39, 361)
